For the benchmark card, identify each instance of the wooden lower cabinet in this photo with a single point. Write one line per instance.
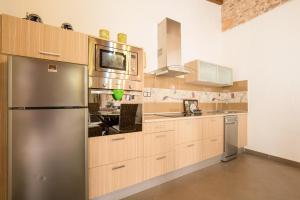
(212, 147)
(213, 126)
(188, 154)
(189, 130)
(158, 143)
(155, 127)
(110, 149)
(115, 176)
(158, 165)
(242, 130)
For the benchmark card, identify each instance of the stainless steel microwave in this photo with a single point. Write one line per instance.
(108, 59)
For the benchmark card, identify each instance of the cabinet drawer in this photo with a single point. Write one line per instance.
(213, 147)
(158, 165)
(112, 177)
(189, 130)
(110, 149)
(188, 154)
(154, 127)
(212, 127)
(158, 143)
(26, 38)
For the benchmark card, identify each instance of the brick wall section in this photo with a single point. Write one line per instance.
(236, 12)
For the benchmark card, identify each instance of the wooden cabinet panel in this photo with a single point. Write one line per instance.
(212, 127)
(154, 127)
(97, 181)
(50, 43)
(189, 130)
(158, 165)
(20, 37)
(158, 143)
(75, 47)
(110, 149)
(26, 38)
(213, 146)
(242, 130)
(115, 176)
(188, 154)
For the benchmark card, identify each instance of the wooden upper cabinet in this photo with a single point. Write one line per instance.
(242, 130)
(20, 37)
(50, 44)
(26, 38)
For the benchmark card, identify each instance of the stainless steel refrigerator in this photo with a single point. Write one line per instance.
(47, 130)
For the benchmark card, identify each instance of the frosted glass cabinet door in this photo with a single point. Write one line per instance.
(208, 72)
(225, 75)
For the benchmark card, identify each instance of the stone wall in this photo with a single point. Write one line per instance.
(236, 12)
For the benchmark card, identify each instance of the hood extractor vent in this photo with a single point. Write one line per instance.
(169, 49)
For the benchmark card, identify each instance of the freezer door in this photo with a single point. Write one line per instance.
(48, 154)
(41, 83)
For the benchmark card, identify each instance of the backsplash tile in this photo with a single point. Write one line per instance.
(162, 95)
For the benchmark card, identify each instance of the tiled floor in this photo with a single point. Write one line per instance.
(246, 178)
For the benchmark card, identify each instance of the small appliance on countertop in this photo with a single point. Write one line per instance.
(190, 107)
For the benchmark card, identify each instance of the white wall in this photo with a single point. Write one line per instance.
(266, 52)
(201, 35)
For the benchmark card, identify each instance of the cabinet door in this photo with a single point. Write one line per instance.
(30, 39)
(20, 37)
(189, 130)
(97, 182)
(75, 47)
(158, 143)
(208, 72)
(188, 154)
(50, 43)
(212, 127)
(242, 130)
(110, 149)
(109, 178)
(123, 174)
(158, 165)
(225, 76)
(213, 147)
(155, 127)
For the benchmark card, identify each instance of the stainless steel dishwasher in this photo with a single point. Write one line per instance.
(230, 137)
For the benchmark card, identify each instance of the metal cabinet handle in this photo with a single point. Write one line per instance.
(160, 136)
(191, 145)
(118, 167)
(117, 139)
(213, 140)
(160, 158)
(50, 53)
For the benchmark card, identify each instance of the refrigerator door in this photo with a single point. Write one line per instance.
(47, 155)
(41, 83)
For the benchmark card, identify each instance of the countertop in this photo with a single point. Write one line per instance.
(153, 117)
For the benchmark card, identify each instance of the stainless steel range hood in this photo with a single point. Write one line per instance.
(169, 49)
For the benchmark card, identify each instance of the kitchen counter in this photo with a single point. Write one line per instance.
(154, 117)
